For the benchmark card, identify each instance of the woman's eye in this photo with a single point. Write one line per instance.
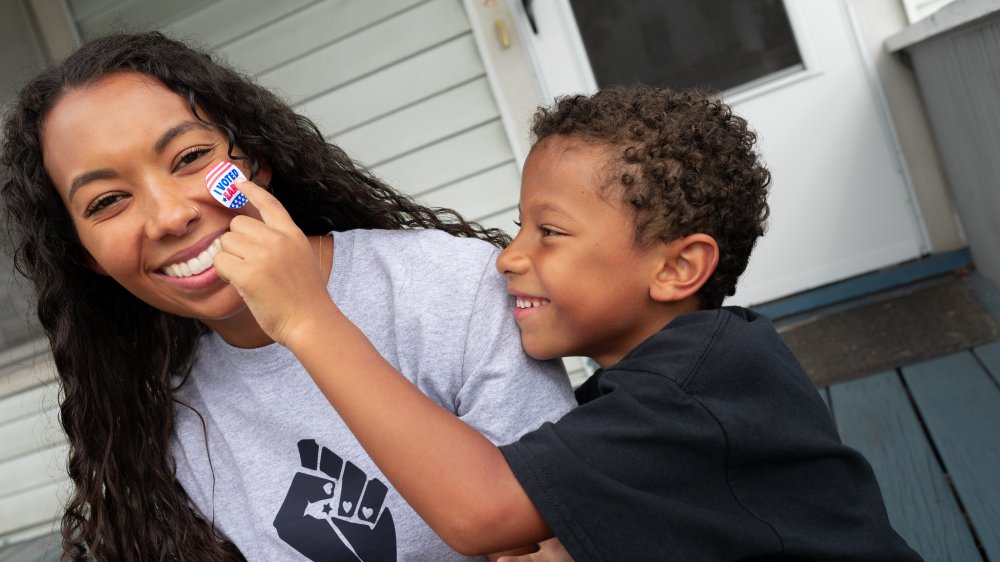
(101, 203)
(191, 156)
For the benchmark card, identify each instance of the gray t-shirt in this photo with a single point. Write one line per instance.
(282, 476)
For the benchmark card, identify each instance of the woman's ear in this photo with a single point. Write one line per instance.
(685, 266)
(263, 177)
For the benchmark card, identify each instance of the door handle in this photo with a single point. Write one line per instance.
(502, 34)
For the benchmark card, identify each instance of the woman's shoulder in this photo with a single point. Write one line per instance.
(422, 245)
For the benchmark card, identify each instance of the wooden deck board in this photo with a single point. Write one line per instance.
(960, 405)
(989, 355)
(874, 416)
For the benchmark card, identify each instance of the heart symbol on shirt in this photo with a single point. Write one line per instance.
(367, 512)
(347, 506)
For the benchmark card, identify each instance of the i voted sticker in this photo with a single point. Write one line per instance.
(223, 181)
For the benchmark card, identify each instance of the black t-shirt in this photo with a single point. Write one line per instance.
(705, 442)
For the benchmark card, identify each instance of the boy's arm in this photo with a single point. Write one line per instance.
(455, 478)
(548, 551)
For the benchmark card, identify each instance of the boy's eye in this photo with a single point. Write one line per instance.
(102, 202)
(517, 223)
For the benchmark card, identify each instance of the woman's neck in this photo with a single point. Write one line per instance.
(240, 330)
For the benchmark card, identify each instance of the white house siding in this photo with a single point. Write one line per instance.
(399, 84)
(33, 481)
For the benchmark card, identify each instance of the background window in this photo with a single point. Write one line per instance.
(710, 44)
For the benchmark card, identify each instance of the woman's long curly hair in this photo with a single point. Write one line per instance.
(115, 354)
(682, 162)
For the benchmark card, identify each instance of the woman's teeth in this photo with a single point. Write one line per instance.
(197, 265)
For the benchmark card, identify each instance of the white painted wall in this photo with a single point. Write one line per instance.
(876, 21)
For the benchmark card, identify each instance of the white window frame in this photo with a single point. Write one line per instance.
(561, 65)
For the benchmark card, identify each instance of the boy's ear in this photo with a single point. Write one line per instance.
(685, 265)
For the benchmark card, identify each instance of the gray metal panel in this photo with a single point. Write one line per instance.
(959, 77)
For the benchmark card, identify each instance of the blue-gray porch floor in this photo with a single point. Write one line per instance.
(931, 431)
(932, 434)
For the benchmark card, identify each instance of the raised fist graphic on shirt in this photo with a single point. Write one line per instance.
(334, 512)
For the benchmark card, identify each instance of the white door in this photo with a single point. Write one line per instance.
(840, 201)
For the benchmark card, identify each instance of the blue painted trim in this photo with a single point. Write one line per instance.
(855, 287)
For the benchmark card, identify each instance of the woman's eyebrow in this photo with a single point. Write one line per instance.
(83, 179)
(176, 131)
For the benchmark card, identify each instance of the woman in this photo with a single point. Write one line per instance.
(192, 435)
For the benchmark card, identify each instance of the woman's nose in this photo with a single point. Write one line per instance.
(168, 216)
(512, 260)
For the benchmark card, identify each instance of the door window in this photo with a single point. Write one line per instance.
(710, 44)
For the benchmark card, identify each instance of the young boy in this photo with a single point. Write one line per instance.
(701, 438)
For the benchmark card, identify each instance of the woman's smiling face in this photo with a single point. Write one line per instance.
(129, 160)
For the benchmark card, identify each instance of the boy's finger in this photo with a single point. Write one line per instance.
(271, 210)
(239, 244)
(252, 228)
(226, 266)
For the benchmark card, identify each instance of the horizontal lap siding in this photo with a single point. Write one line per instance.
(94, 17)
(399, 84)
(33, 481)
(439, 117)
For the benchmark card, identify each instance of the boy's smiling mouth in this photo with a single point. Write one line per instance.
(528, 306)
(531, 302)
(195, 265)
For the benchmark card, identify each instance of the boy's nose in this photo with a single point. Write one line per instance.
(170, 217)
(511, 260)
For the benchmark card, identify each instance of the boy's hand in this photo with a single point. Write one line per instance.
(548, 551)
(272, 265)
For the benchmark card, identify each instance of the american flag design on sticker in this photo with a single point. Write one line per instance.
(222, 182)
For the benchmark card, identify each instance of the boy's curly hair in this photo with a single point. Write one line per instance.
(683, 163)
